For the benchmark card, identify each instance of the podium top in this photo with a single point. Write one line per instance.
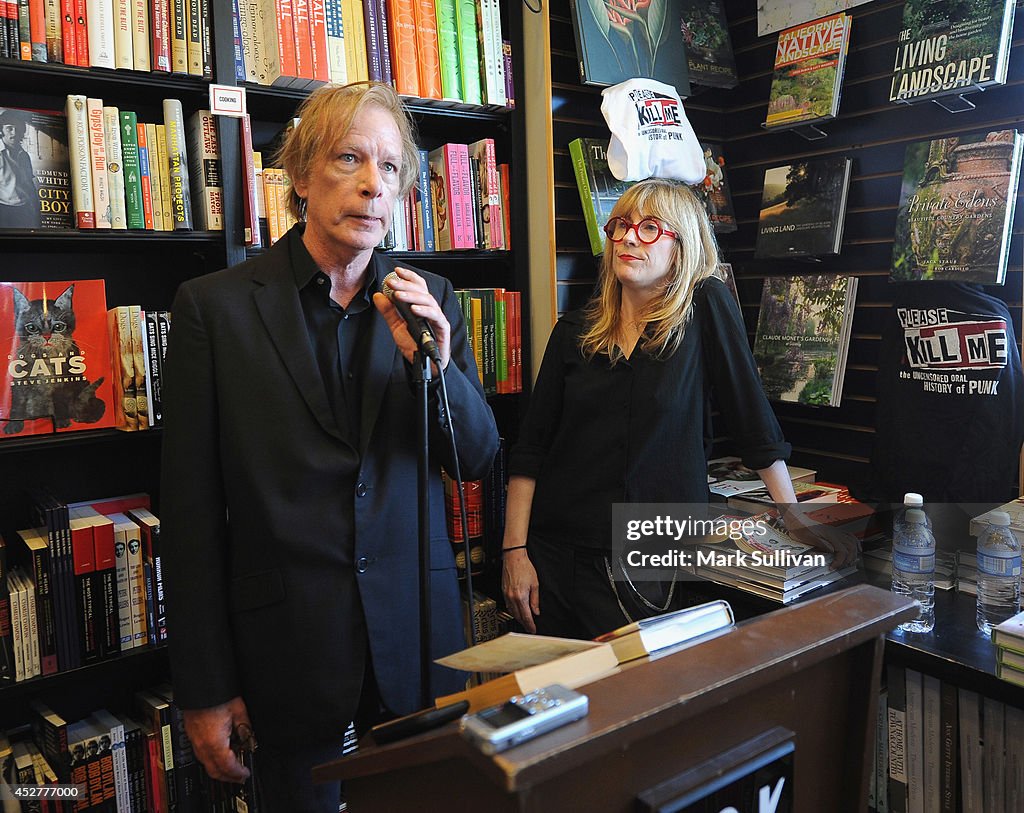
(655, 693)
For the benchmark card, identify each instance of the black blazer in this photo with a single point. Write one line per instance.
(262, 601)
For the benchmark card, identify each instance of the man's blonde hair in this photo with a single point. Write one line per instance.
(694, 259)
(327, 115)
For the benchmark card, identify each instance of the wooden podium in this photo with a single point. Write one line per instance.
(808, 674)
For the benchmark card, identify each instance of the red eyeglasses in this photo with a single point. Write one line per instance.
(648, 230)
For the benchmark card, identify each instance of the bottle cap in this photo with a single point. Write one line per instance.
(913, 500)
(1000, 518)
(915, 516)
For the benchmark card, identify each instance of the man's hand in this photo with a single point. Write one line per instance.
(411, 288)
(209, 731)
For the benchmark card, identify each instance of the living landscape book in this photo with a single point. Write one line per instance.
(709, 53)
(599, 189)
(809, 64)
(616, 41)
(803, 335)
(803, 207)
(946, 47)
(956, 208)
(714, 191)
(57, 375)
(35, 144)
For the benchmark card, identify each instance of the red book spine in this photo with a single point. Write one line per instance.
(160, 34)
(286, 36)
(147, 188)
(318, 41)
(428, 60)
(67, 31)
(303, 45)
(82, 33)
(250, 210)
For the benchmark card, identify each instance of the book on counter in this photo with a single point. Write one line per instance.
(649, 635)
(809, 63)
(759, 499)
(709, 52)
(803, 336)
(1015, 508)
(531, 662)
(727, 476)
(803, 207)
(1010, 635)
(956, 208)
(946, 48)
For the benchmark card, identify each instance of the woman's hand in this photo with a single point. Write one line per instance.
(520, 587)
(844, 546)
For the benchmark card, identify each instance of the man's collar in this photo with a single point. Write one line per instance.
(305, 268)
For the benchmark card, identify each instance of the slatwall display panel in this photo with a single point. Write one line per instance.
(869, 129)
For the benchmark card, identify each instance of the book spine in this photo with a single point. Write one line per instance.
(137, 585)
(371, 27)
(17, 634)
(336, 68)
(81, 162)
(931, 743)
(205, 40)
(100, 30)
(440, 192)
(361, 61)
(124, 57)
(993, 738)
(448, 49)
(236, 40)
(579, 166)
(178, 35)
(204, 170)
(31, 623)
(98, 163)
(949, 788)
(194, 37)
(493, 45)
(160, 35)
(67, 31)
(285, 27)
(320, 66)
(914, 742)
(139, 366)
(82, 33)
(510, 86)
(52, 18)
(402, 30)
(131, 171)
(124, 591)
(46, 619)
(37, 30)
(115, 167)
(469, 51)
(475, 208)
(177, 158)
(426, 203)
(303, 44)
(384, 42)
(139, 22)
(469, 204)
(159, 188)
(897, 687)
(251, 225)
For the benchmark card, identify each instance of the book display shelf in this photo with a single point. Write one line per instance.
(146, 267)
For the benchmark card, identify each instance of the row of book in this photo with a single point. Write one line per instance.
(169, 36)
(138, 342)
(431, 49)
(939, 747)
(494, 322)
(1008, 637)
(135, 762)
(98, 167)
(83, 584)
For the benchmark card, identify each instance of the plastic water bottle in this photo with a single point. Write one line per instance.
(913, 567)
(998, 572)
(911, 500)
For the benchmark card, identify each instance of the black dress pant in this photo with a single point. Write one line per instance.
(578, 597)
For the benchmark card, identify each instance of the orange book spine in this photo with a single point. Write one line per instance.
(427, 59)
(402, 31)
(286, 36)
(318, 41)
(146, 176)
(303, 45)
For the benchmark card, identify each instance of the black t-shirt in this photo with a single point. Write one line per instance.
(950, 417)
(597, 434)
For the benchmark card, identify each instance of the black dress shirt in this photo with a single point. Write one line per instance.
(597, 434)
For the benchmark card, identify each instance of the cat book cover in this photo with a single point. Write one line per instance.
(56, 354)
(803, 207)
(956, 208)
(618, 40)
(947, 47)
(709, 53)
(803, 335)
(35, 171)
(714, 191)
(809, 64)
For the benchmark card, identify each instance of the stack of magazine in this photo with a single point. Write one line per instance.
(767, 562)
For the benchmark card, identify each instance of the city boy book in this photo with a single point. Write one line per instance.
(56, 355)
(34, 170)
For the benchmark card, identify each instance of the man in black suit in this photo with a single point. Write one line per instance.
(289, 482)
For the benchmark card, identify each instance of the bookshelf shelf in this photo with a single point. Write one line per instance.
(70, 237)
(9, 691)
(65, 440)
(15, 76)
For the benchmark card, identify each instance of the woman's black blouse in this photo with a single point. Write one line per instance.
(596, 434)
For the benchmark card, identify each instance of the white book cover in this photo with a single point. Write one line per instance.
(336, 66)
(98, 163)
(127, 533)
(17, 633)
(177, 162)
(100, 14)
(140, 35)
(115, 167)
(124, 49)
(81, 162)
(106, 721)
(494, 92)
(29, 624)
(205, 171)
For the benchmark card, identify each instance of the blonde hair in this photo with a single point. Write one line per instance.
(694, 259)
(327, 115)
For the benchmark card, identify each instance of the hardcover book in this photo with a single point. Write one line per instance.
(35, 151)
(708, 47)
(803, 334)
(616, 41)
(714, 191)
(599, 189)
(803, 207)
(809, 64)
(946, 47)
(57, 378)
(725, 273)
(956, 208)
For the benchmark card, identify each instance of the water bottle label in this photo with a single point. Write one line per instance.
(914, 563)
(995, 564)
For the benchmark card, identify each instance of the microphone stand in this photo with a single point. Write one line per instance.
(421, 381)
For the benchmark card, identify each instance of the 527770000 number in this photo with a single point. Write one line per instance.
(22, 792)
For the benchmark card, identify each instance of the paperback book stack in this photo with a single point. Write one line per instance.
(809, 64)
(768, 563)
(727, 477)
(1009, 640)
(803, 337)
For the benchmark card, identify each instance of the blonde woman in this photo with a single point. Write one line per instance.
(619, 412)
